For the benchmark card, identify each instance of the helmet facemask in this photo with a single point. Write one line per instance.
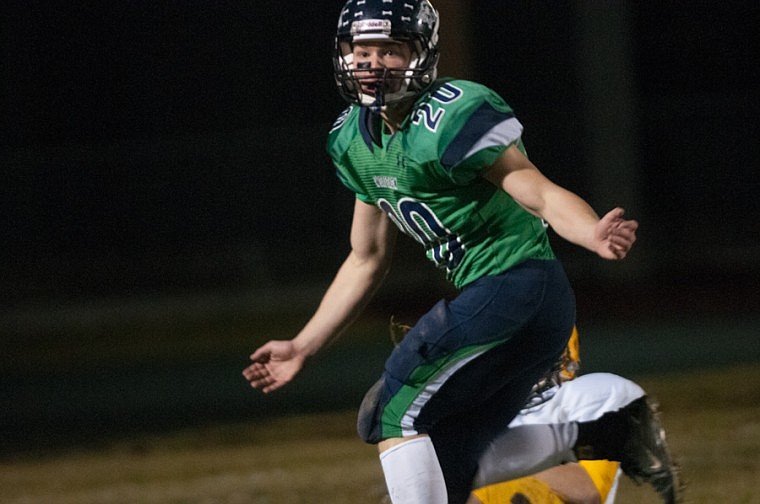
(393, 85)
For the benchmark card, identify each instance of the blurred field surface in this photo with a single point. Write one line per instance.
(141, 401)
(712, 418)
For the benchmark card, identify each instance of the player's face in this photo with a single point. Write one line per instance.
(376, 57)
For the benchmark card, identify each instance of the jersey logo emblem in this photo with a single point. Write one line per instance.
(386, 182)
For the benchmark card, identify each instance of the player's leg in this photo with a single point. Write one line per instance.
(410, 465)
(643, 454)
(412, 472)
(552, 427)
(460, 439)
(518, 365)
(525, 450)
(430, 376)
(596, 416)
(629, 431)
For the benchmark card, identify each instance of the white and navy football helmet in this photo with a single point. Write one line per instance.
(412, 21)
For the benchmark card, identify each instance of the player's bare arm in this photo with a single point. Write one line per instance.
(568, 483)
(372, 239)
(611, 237)
(572, 483)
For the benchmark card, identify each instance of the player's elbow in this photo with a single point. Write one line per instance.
(374, 265)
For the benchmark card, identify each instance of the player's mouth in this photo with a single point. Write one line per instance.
(389, 83)
(370, 86)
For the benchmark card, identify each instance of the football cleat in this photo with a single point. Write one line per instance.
(646, 457)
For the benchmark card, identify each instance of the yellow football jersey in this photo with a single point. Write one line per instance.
(524, 490)
(530, 490)
(602, 473)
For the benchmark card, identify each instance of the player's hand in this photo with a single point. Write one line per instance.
(274, 365)
(615, 235)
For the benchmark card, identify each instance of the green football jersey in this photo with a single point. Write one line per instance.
(426, 177)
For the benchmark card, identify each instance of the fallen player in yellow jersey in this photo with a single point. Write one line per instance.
(568, 399)
(556, 403)
(586, 482)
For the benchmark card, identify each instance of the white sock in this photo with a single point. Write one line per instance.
(413, 474)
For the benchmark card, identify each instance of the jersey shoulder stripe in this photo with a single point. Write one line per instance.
(476, 125)
(458, 128)
(474, 135)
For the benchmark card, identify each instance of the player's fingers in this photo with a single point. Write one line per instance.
(630, 224)
(624, 240)
(616, 214)
(259, 375)
(265, 383)
(262, 383)
(255, 371)
(617, 252)
(272, 386)
(626, 226)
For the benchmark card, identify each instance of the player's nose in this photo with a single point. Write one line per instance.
(377, 59)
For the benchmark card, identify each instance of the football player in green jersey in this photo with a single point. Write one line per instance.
(442, 161)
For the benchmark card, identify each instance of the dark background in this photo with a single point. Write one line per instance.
(159, 145)
(164, 150)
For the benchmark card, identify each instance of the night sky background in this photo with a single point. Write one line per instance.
(179, 145)
(154, 149)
